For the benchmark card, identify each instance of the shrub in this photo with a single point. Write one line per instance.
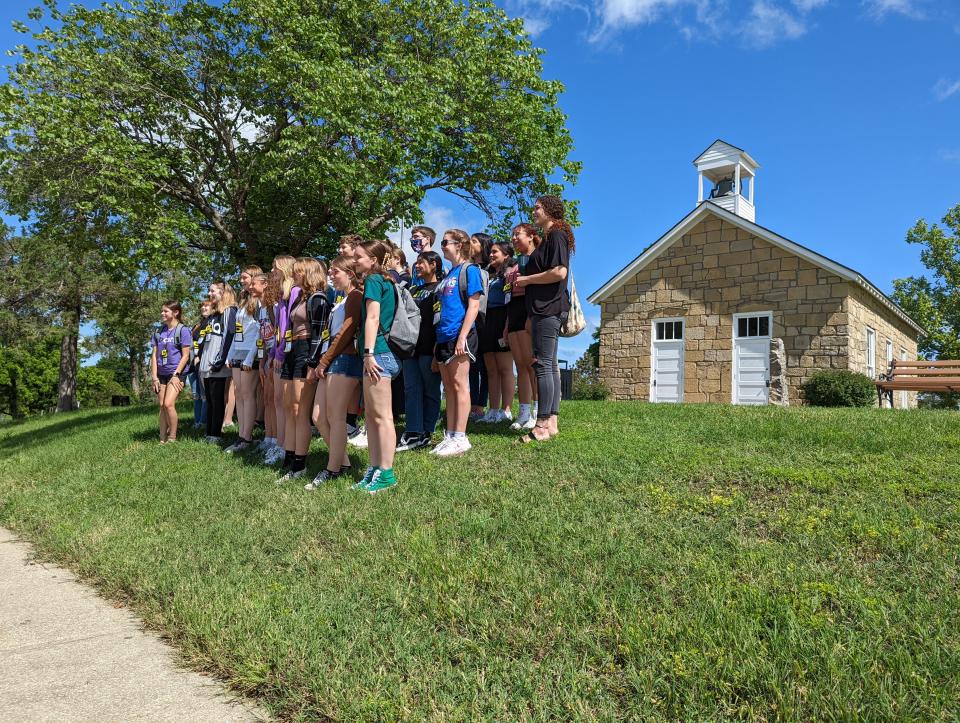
(840, 388)
(587, 383)
(96, 387)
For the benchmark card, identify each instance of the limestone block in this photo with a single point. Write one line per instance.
(771, 266)
(807, 277)
(749, 269)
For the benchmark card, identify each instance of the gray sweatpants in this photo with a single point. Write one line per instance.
(544, 331)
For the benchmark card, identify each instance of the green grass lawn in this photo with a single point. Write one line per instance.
(677, 562)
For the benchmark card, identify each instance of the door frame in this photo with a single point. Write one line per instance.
(733, 350)
(653, 357)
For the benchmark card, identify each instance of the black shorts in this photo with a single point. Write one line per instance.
(517, 314)
(445, 350)
(295, 361)
(165, 378)
(492, 333)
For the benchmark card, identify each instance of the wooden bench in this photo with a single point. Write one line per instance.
(919, 376)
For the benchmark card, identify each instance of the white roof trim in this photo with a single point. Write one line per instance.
(722, 142)
(708, 207)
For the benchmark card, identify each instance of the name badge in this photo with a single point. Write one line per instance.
(436, 312)
(163, 354)
(325, 335)
(288, 341)
(259, 348)
(506, 292)
(238, 331)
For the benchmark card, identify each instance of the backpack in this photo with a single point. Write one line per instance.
(484, 282)
(405, 329)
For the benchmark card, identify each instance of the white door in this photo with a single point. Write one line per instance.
(751, 358)
(666, 381)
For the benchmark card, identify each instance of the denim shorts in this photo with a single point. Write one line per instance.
(348, 365)
(388, 362)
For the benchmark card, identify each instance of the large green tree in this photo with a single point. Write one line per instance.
(933, 299)
(249, 127)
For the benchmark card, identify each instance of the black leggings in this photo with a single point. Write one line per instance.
(216, 391)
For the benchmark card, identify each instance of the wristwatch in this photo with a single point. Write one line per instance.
(368, 352)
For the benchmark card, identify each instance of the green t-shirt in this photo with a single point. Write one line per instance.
(377, 288)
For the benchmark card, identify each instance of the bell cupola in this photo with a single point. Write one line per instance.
(730, 172)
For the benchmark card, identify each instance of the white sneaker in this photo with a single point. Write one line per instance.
(291, 476)
(521, 420)
(359, 440)
(446, 441)
(458, 445)
(489, 418)
(530, 424)
(505, 415)
(274, 454)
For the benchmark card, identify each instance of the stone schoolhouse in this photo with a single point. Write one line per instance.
(720, 309)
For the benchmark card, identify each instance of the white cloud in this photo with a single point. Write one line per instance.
(535, 24)
(952, 155)
(806, 6)
(769, 23)
(881, 8)
(946, 88)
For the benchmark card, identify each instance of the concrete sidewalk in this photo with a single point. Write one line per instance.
(68, 655)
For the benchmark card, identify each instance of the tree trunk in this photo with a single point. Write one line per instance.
(67, 387)
(135, 372)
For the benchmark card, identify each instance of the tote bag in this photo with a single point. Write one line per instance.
(575, 322)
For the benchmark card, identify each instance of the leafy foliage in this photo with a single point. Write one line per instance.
(251, 127)
(587, 384)
(840, 388)
(28, 375)
(934, 300)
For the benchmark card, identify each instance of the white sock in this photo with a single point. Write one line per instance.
(459, 435)
(524, 410)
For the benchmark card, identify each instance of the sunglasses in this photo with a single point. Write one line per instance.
(449, 242)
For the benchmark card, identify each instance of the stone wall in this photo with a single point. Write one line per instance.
(713, 272)
(865, 310)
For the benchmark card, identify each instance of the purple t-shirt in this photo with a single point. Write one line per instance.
(168, 350)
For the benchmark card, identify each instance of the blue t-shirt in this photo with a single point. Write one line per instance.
(169, 348)
(452, 310)
(495, 294)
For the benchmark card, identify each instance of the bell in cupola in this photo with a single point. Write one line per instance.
(731, 171)
(723, 188)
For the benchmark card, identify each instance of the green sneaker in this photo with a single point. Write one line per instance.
(365, 480)
(382, 481)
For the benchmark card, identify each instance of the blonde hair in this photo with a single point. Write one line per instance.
(228, 299)
(463, 239)
(310, 275)
(284, 264)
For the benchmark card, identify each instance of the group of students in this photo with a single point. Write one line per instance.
(307, 346)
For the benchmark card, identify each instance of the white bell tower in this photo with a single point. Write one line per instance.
(731, 171)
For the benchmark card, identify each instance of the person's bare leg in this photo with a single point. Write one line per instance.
(305, 392)
(456, 381)
(381, 434)
(231, 396)
(164, 425)
(341, 391)
(278, 406)
(506, 380)
(248, 393)
(319, 412)
(524, 392)
(493, 381)
(269, 409)
(170, 394)
(289, 415)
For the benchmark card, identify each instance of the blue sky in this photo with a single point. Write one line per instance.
(851, 107)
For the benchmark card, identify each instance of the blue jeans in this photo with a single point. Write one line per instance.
(421, 388)
(199, 399)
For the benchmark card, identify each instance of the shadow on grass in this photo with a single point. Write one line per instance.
(66, 424)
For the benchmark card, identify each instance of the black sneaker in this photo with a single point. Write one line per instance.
(408, 441)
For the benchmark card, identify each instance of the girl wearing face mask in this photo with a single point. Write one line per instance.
(168, 366)
(213, 361)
